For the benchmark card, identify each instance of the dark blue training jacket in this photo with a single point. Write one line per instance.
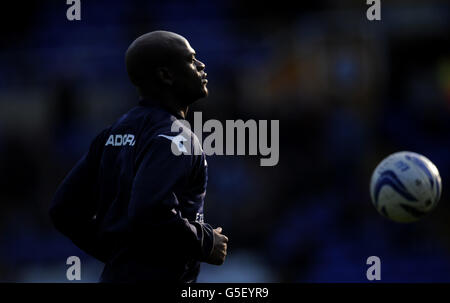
(134, 204)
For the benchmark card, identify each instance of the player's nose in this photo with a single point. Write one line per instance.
(200, 65)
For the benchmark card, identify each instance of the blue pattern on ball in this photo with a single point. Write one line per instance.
(388, 177)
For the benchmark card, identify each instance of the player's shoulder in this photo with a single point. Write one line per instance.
(139, 122)
(172, 133)
(145, 126)
(160, 123)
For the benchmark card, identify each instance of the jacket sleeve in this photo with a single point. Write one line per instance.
(74, 204)
(154, 207)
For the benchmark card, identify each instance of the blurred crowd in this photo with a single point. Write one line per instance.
(347, 92)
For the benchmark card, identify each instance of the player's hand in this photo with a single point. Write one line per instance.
(219, 251)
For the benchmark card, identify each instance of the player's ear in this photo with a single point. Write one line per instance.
(164, 75)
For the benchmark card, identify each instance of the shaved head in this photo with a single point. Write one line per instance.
(163, 63)
(149, 51)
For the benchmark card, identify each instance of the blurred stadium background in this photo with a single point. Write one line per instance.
(347, 92)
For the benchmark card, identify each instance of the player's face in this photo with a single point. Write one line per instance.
(190, 77)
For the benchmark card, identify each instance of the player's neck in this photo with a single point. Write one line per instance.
(179, 110)
(174, 105)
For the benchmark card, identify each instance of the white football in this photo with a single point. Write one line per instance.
(405, 186)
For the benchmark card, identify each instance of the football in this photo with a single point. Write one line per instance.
(405, 186)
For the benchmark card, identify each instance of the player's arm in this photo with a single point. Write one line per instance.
(75, 201)
(154, 208)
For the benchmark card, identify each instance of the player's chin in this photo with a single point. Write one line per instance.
(204, 91)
